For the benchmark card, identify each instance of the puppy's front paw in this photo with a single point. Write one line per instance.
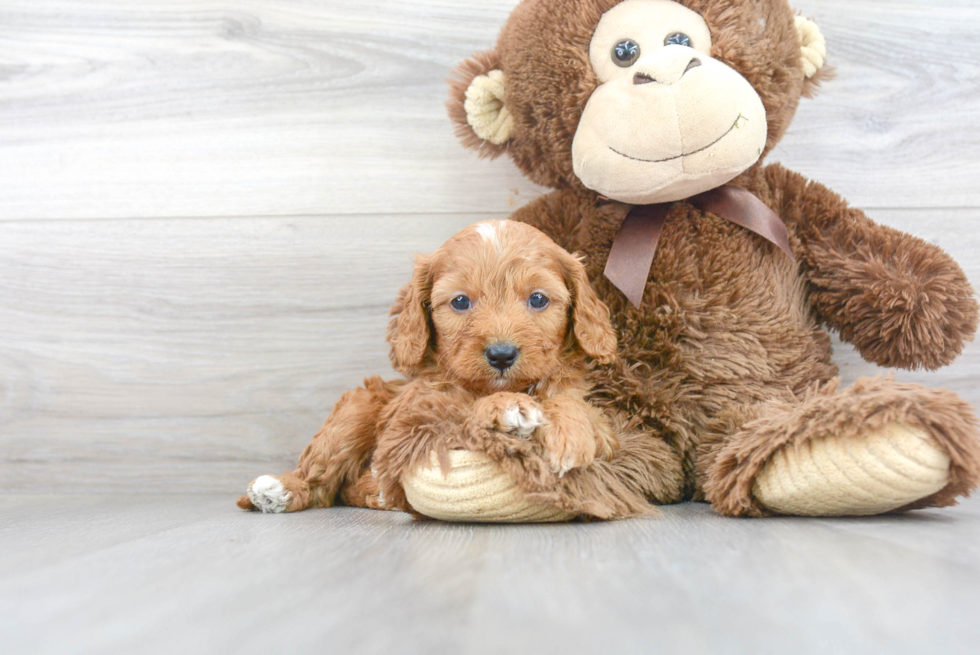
(268, 495)
(511, 413)
(522, 418)
(569, 447)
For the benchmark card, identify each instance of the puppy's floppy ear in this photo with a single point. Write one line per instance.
(476, 105)
(590, 317)
(408, 330)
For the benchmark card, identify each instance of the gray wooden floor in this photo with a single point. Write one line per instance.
(182, 573)
(205, 210)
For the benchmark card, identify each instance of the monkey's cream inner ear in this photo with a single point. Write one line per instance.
(813, 46)
(485, 109)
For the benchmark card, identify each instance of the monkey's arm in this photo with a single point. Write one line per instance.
(901, 301)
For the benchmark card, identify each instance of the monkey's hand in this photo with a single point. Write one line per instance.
(901, 301)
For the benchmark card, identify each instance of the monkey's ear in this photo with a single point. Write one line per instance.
(476, 105)
(408, 329)
(590, 317)
(813, 55)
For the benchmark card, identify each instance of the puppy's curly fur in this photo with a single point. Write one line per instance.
(497, 283)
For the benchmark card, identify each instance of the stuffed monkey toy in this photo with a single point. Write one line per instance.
(650, 120)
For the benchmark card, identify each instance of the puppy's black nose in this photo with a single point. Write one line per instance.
(502, 355)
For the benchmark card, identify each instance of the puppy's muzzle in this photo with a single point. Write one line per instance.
(502, 355)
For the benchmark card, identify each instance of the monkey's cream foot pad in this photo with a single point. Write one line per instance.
(475, 489)
(853, 476)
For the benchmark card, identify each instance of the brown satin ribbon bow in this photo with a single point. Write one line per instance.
(631, 256)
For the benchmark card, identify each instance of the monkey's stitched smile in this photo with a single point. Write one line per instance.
(684, 154)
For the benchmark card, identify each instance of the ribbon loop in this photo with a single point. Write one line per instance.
(632, 253)
(745, 209)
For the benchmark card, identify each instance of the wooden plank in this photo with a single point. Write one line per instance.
(129, 348)
(218, 580)
(880, 132)
(205, 108)
(134, 353)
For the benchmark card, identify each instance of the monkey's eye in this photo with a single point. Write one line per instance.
(678, 38)
(538, 300)
(625, 53)
(460, 303)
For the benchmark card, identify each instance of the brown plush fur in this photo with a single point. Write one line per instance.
(455, 399)
(727, 358)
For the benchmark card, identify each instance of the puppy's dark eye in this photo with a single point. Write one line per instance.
(460, 303)
(625, 53)
(538, 300)
(678, 38)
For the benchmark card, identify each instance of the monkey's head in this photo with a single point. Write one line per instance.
(642, 101)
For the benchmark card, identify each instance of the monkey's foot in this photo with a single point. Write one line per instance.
(878, 472)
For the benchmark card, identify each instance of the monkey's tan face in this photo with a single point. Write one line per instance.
(667, 121)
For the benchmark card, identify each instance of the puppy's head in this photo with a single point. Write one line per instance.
(497, 307)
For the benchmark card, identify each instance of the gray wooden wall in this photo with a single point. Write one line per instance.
(206, 208)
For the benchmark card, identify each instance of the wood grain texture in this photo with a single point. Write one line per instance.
(273, 165)
(178, 573)
(311, 107)
(270, 167)
(137, 352)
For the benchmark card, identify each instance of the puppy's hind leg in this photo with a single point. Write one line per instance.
(336, 456)
(274, 494)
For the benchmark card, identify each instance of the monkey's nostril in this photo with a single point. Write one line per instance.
(694, 64)
(642, 78)
(501, 355)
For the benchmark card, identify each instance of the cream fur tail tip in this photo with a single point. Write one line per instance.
(856, 476)
(476, 489)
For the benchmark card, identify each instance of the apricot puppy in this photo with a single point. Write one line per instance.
(493, 334)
